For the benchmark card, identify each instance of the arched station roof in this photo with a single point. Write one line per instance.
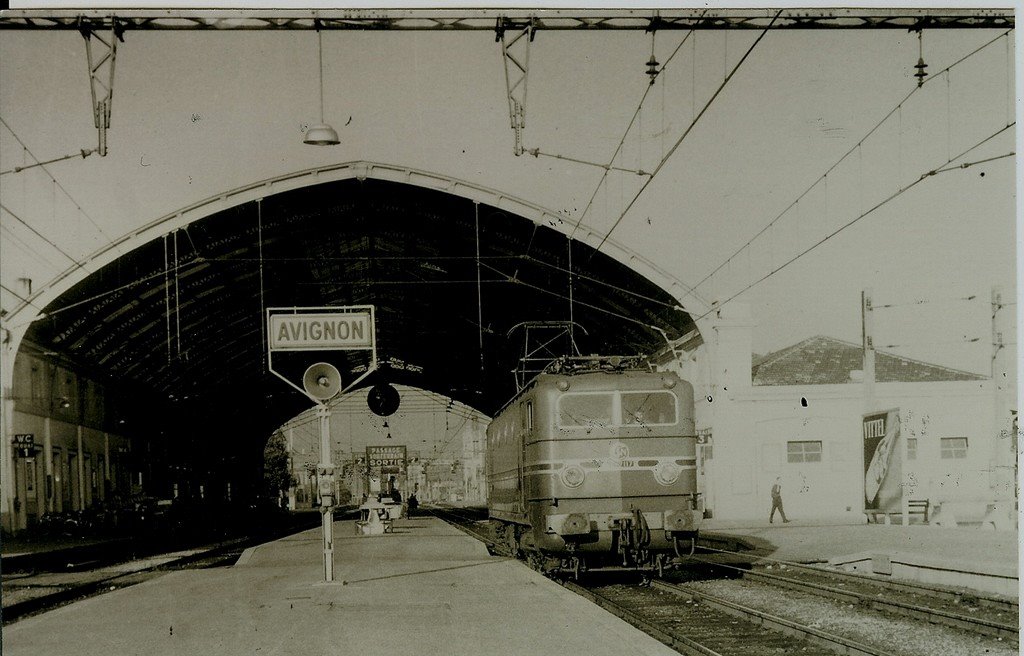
(181, 316)
(778, 157)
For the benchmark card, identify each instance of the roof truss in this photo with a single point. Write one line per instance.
(499, 20)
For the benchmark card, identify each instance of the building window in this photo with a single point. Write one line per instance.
(809, 451)
(954, 448)
(911, 448)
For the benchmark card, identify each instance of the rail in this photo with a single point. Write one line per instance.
(932, 615)
(776, 623)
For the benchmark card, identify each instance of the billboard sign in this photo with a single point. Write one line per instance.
(882, 462)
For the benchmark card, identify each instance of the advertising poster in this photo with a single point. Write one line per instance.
(882, 461)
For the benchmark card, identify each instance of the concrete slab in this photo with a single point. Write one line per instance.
(801, 543)
(932, 548)
(993, 578)
(425, 589)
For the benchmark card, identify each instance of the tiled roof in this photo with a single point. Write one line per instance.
(821, 360)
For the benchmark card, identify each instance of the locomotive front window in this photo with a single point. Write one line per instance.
(585, 410)
(648, 408)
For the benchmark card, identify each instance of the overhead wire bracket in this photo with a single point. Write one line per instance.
(101, 73)
(515, 37)
(550, 341)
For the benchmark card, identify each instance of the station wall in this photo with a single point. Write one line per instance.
(74, 460)
(949, 447)
(955, 444)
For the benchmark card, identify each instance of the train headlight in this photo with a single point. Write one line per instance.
(668, 382)
(573, 476)
(666, 473)
(563, 385)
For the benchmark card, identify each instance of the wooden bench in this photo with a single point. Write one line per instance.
(919, 507)
(914, 507)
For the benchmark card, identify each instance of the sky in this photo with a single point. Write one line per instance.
(195, 114)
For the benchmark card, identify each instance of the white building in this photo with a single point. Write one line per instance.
(798, 414)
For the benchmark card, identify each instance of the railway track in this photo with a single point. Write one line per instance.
(31, 593)
(987, 615)
(469, 522)
(860, 621)
(50, 581)
(702, 626)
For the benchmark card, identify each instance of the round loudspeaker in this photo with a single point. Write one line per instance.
(383, 399)
(321, 381)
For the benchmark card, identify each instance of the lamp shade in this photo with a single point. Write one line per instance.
(321, 135)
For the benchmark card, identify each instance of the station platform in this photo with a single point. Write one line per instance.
(426, 588)
(985, 560)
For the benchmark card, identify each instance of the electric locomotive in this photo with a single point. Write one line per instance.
(593, 465)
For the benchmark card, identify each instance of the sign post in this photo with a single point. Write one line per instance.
(313, 329)
(325, 481)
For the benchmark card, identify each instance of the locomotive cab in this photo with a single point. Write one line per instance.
(597, 468)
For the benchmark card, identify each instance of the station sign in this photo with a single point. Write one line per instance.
(386, 457)
(320, 331)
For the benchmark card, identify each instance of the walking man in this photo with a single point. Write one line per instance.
(777, 501)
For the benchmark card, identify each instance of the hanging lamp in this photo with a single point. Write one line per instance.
(321, 134)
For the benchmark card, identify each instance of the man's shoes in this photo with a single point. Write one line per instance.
(785, 521)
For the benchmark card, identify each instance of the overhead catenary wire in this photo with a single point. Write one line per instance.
(42, 165)
(513, 278)
(42, 236)
(897, 110)
(167, 297)
(259, 240)
(23, 244)
(114, 290)
(576, 275)
(969, 340)
(686, 133)
(479, 288)
(428, 258)
(18, 296)
(896, 194)
(923, 301)
(622, 141)
(201, 260)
